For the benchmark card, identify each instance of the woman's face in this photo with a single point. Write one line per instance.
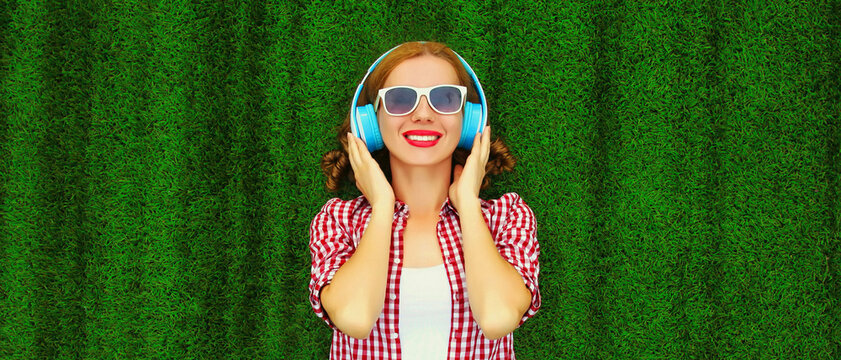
(422, 71)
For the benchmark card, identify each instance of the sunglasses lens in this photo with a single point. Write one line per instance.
(445, 99)
(399, 101)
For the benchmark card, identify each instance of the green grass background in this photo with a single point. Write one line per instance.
(159, 170)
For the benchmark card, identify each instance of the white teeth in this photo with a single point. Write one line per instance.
(422, 137)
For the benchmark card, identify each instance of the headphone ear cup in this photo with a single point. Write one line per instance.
(470, 125)
(368, 127)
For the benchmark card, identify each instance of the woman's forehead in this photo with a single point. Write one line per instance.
(422, 71)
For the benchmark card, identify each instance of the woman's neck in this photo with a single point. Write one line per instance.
(422, 188)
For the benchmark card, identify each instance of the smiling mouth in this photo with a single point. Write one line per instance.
(422, 137)
(422, 140)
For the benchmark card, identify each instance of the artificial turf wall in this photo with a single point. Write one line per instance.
(159, 170)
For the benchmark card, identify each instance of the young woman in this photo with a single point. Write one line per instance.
(419, 267)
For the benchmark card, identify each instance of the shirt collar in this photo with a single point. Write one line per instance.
(400, 207)
(447, 207)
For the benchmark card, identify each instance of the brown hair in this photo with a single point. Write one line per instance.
(336, 164)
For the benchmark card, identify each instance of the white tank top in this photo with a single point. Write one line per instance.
(425, 311)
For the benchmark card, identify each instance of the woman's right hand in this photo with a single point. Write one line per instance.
(370, 179)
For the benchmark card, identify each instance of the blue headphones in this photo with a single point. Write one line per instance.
(363, 119)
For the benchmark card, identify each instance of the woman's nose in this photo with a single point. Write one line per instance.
(423, 111)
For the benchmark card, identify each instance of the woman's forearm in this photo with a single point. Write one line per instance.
(354, 298)
(496, 292)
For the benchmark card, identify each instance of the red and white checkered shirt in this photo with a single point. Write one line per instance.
(335, 233)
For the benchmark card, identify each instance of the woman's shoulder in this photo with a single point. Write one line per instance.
(508, 206)
(343, 209)
(342, 205)
(506, 201)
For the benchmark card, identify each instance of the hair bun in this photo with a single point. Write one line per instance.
(500, 158)
(334, 164)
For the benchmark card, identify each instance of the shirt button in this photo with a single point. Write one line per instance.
(393, 297)
(394, 335)
(396, 261)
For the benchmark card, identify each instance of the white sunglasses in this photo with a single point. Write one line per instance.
(402, 100)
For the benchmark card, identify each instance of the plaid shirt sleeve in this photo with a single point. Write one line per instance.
(516, 240)
(330, 246)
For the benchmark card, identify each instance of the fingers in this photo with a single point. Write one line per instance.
(370, 179)
(355, 160)
(361, 149)
(351, 151)
(477, 143)
(486, 144)
(355, 153)
(481, 148)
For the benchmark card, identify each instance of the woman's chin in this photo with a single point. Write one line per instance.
(416, 158)
(422, 155)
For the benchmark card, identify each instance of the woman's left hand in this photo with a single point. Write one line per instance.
(467, 179)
